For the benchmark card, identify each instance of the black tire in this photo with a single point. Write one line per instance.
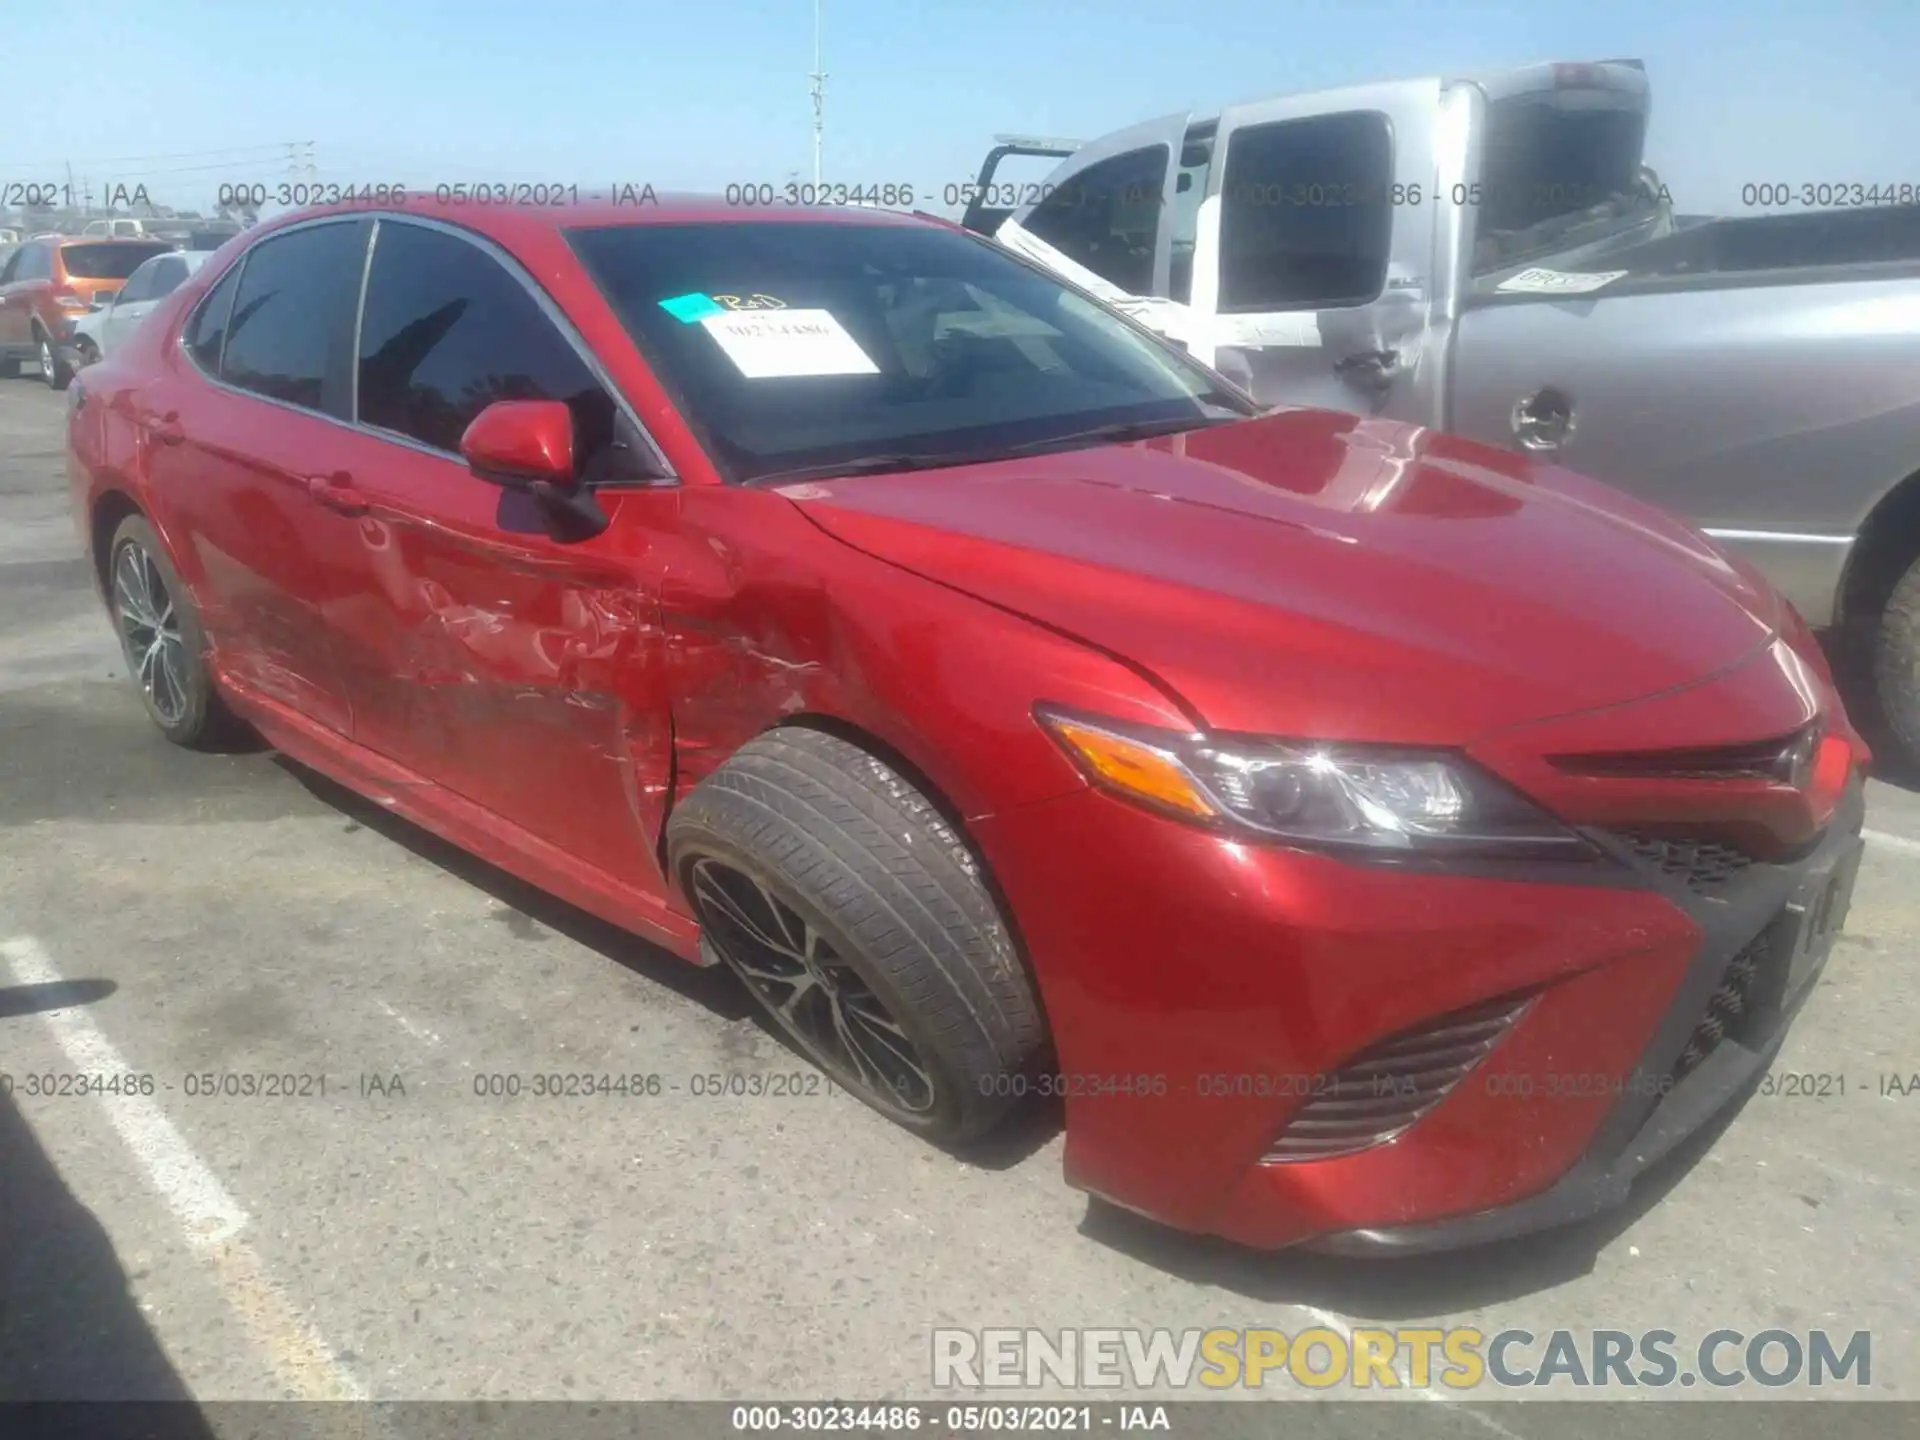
(191, 714)
(1896, 666)
(88, 352)
(9, 367)
(53, 365)
(894, 903)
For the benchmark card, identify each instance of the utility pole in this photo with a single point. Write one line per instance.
(819, 78)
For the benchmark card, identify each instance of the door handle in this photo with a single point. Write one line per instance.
(1543, 420)
(336, 492)
(1370, 369)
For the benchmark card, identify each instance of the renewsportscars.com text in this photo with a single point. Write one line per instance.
(1461, 1358)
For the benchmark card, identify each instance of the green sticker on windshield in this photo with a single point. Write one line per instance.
(691, 307)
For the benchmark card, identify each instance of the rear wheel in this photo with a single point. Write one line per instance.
(53, 365)
(857, 917)
(86, 350)
(161, 638)
(9, 367)
(1896, 665)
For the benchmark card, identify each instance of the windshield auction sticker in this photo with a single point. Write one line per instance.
(773, 344)
(1556, 282)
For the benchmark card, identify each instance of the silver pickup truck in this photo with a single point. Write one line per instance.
(1489, 255)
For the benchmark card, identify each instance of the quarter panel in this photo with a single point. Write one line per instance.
(1758, 407)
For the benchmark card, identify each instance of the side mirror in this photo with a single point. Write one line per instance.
(521, 444)
(527, 446)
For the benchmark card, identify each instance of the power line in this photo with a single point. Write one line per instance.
(135, 160)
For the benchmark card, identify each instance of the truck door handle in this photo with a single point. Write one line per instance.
(336, 492)
(1543, 420)
(1373, 369)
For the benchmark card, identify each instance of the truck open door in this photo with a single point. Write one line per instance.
(1313, 250)
(1102, 220)
(990, 202)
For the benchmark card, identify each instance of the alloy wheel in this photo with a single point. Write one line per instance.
(810, 987)
(46, 359)
(150, 631)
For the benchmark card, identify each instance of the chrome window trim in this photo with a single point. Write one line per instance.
(514, 269)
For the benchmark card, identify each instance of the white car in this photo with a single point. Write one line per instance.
(97, 332)
(117, 229)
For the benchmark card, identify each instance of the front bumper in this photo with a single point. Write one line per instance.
(1773, 904)
(1198, 989)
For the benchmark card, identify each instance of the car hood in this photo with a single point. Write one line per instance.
(1317, 574)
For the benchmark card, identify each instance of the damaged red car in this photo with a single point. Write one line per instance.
(1375, 840)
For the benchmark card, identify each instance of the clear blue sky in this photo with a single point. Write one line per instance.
(694, 96)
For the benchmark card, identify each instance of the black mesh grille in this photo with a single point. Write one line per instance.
(1704, 866)
(1386, 1088)
(1729, 1008)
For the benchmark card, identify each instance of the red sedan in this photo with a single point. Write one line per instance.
(1376, 840)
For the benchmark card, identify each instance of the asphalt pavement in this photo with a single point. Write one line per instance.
(387, 1230)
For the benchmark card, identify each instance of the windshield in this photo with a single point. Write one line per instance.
(1560, 167)
(107, 262)
(805, 346)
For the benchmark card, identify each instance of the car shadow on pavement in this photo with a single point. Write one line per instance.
(70, 1330)
(1413, 1287)
(715, 989)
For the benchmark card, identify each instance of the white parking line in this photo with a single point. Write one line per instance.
(1343, 1325)
(413, 1028)
(1898, 843)
(211, 1218)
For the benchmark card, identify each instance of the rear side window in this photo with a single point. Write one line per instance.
(107, 262)
(293, 316)
(1106, 217)
(207, 331)
(447, 331)
(1305, 215)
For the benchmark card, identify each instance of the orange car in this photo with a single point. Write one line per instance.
(48, 284)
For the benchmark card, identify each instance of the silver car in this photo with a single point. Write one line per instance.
(99, 331)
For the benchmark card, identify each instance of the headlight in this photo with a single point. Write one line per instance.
(1377, 800)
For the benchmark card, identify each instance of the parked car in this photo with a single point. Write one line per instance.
(47, 285)
(841, 598)
(114, 315)
(1489, 256)
(121, 228)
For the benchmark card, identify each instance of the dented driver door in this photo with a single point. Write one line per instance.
(522, 672)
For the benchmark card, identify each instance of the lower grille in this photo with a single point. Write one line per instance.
(1729, 1008)
(1705, 866)
(1387, 1088)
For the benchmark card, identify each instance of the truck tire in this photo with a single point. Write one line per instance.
(1896, 665)
(857, 917)
(165, 648)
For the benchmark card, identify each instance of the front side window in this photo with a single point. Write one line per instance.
(140, 284)
(1106, 217)
(447, 331)
(166, 276)
(810, 346)
(1306, 216)
(292, 313)
(206, 332)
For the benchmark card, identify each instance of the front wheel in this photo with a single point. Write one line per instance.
(1896, 665)
(86, 350)
(160, 636)
(857, 917)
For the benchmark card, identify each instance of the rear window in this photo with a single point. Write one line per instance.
(107, 262)
(800, 345)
